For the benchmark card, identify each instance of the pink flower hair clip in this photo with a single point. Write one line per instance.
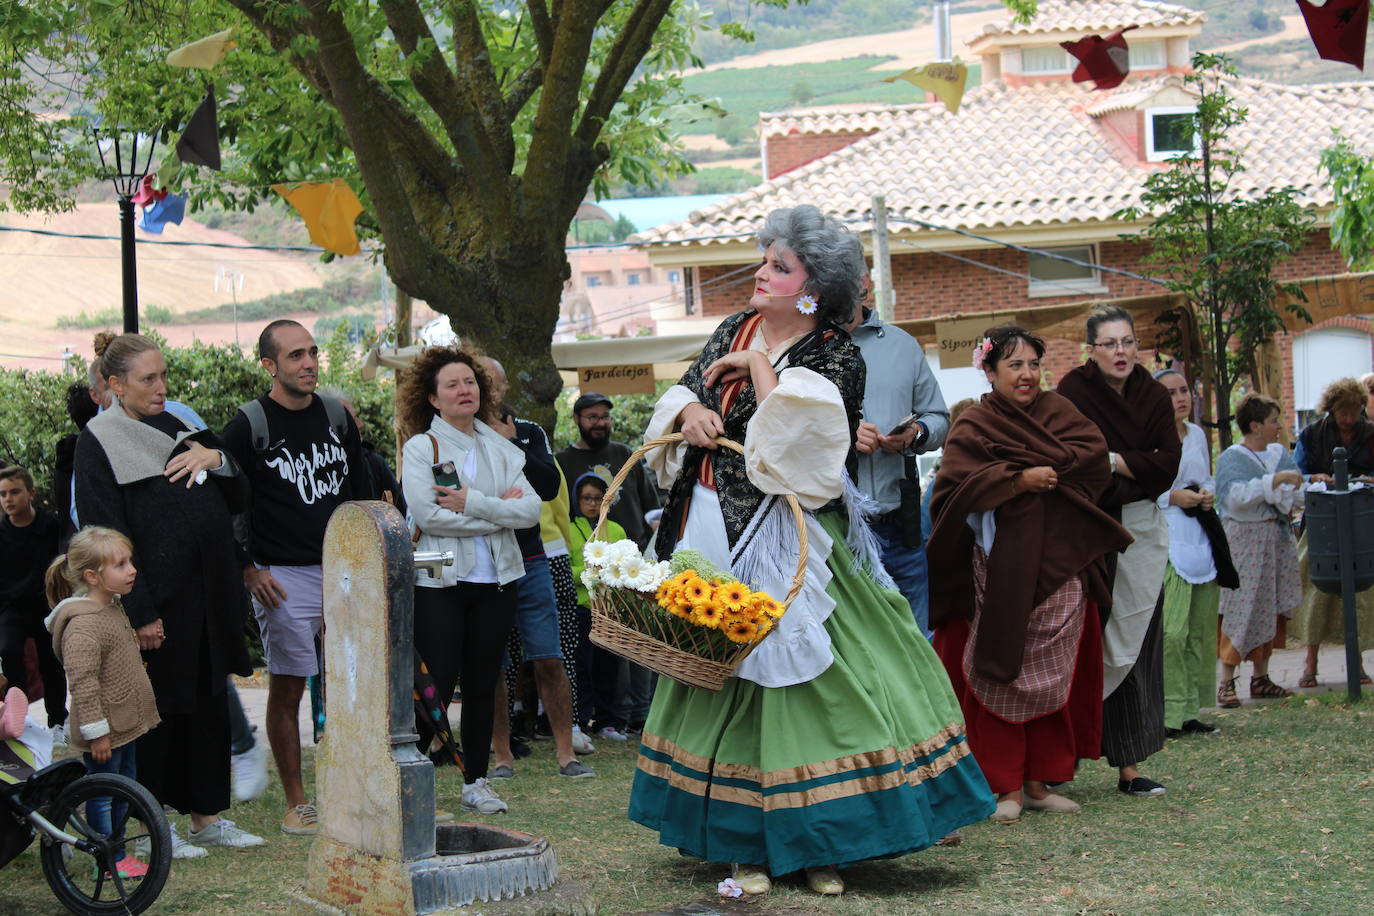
(981, 351)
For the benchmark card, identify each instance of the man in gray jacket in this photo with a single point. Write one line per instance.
(904, 415)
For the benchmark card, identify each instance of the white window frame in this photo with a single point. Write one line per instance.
(1153, 155)
(1065, 67)
(1159, 60)
(1041, 289)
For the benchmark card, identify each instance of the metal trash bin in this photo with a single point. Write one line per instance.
(1323, 538)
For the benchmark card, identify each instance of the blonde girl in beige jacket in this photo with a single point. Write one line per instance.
(112, 699)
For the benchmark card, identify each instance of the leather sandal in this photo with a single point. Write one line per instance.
(1263, 688)
(1226, 695)
(1308, 680)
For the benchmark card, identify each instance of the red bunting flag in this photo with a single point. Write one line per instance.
(1338, 29)
(1105, 61)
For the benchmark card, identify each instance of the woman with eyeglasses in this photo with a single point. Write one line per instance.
(1136, 417)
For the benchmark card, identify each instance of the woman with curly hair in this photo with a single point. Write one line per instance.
(1318, 619)
(466, 489)
(839, 739)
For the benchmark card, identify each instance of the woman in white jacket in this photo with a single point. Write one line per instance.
(466, 490)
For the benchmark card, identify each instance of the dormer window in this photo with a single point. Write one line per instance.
(1169, 132)
(1145, 54)
(1044, 59)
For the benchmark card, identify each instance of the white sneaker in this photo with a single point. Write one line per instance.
(480, 797)
(59, 735)
(224, 832)
(249, 771)
(581, 744)
(611, 734)
(180, 848)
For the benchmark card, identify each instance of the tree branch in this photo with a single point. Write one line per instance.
(477, 77)
(543, 29)
(619, 67)
(524, 88)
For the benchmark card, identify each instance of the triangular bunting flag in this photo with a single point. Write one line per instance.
(203, 54)
(946, 80)
(329, 209)
(168, 209)
(146, 193)
(1105, 61)
(199, 143)
(1338, 29)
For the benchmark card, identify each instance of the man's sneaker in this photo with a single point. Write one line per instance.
(610, 733)
(249, 771)
(302, 820)
(581, 744)
(59, 735)
(576, 769)
(480, 797)
(180, 848)
(224, 832)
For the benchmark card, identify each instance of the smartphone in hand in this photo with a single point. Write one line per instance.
(902, 426)
(446, 475)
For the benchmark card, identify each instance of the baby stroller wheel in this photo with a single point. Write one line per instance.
(86, 877)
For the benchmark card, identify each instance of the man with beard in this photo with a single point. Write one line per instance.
(303, 456)
(621, 690)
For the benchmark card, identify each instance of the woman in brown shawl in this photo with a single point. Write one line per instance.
(1136, 416)
(1016, 574)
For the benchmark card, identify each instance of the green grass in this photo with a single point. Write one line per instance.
(1272, 816)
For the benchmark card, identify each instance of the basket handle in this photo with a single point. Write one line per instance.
(797, 516)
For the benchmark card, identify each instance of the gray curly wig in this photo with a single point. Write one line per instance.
(832, 255)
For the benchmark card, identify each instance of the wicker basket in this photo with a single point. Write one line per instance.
(625, 626)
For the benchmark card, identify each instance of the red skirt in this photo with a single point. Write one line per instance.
(1045, 748)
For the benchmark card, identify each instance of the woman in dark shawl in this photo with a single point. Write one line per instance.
(1319, 619)
(1017, 573)
(143, 472)
(839, 738)
(1136, 417)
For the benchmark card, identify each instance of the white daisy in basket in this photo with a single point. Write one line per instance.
(635, 572)
(623, 550)
(590, 578)
(610, 575)
(597, 553)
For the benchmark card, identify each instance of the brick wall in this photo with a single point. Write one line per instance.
(786, 153)
(929, 284)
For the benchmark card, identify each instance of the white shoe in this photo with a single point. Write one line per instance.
(249, 771)
(480, 797)
(581, 744)
(611, 734)
(180, 848)
(59, 735)
(224, 832)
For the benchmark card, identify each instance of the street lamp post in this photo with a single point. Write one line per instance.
(126, 177)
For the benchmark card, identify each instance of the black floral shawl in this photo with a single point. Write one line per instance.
(827, 351)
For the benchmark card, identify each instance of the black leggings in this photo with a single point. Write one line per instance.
(460, 632)
(17, 625)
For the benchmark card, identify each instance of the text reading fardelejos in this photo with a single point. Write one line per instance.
(599, 373)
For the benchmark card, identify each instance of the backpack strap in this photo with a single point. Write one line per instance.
(338, 416)
(434, 444)
(257, 425)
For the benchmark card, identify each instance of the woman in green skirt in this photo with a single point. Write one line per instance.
(839, 739)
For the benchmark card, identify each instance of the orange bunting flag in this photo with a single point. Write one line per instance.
(329, 209)
(1338, 29)
(204, 54)
(1105, 61)
(946, 80)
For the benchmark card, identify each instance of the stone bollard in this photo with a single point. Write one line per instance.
(377, 851)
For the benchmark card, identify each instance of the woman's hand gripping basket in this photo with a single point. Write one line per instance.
(683, 618)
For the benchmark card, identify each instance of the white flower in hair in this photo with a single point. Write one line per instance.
(807, 304)
(597, 553)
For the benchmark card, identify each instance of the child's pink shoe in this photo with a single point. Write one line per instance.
(12, 713)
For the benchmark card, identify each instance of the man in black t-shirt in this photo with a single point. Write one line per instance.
(28, 543)
(301, 466)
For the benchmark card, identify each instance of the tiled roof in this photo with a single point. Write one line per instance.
(1034, 155)
(834, 119)
(1095, 16)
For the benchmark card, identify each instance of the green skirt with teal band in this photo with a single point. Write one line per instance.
(866, 761)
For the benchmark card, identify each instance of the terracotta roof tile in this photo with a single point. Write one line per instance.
(1095, 16)
(1035, 155)
(833, 119)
